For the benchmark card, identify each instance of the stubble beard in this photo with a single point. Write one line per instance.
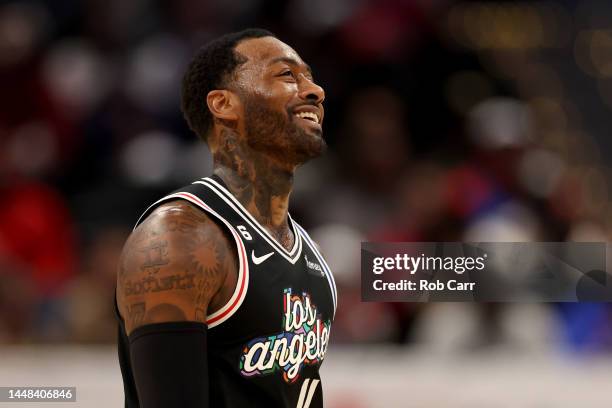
(277, 133)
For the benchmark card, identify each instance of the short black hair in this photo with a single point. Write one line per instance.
(210, 69)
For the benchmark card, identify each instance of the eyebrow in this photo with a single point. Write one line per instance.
(291, 61)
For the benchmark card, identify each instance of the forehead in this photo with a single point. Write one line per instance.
(266, 49)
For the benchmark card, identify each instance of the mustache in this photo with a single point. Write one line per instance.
(291, 108)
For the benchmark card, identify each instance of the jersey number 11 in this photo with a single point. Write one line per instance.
(306, 393)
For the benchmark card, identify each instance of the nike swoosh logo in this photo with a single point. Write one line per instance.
(259, 259)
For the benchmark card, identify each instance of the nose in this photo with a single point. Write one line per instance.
(310, 91)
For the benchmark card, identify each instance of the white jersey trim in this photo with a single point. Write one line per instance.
(242, 284)
(291, 256)
(326, 269)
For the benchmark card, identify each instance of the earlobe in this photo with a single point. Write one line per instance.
(222, 104)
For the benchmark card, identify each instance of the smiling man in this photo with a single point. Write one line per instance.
(223, 299)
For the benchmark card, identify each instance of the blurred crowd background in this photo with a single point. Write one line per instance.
(446, 121)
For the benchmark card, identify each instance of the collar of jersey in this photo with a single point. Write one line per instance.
(292, 256)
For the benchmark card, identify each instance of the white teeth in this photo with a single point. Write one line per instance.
(308, 115)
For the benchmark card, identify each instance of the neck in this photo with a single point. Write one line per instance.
(260, 183)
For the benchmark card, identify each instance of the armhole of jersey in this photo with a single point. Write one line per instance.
(242, 284)
(328, 274)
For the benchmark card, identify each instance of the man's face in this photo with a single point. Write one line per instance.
(282, 106)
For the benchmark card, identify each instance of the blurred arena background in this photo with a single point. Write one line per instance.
(446, 120)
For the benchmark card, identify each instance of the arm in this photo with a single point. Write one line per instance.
(176, 267)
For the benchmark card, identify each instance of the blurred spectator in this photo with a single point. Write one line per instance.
(89, 307)
(37, 254)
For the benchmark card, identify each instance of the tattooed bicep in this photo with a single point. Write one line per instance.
(171, 267)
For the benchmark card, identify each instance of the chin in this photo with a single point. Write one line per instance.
(312, 145)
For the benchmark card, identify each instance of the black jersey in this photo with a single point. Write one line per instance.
(265, 346)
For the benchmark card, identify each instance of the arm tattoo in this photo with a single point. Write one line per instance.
(159, 284)
(135, 313)
(175, 263)
(156, 256)
(164, 312)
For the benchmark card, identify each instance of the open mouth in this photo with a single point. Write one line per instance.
(308, 116)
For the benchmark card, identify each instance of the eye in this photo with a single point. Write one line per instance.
(287, 73)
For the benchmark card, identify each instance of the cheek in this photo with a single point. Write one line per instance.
(268, 95)
(275, 88)
(277, 99)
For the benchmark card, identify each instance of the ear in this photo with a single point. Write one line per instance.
(223, 104)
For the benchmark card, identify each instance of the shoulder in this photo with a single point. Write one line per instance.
(173, 266)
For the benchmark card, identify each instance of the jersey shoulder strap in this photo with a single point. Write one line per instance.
(197, 194)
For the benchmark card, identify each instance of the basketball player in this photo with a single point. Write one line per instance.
(223, 299)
